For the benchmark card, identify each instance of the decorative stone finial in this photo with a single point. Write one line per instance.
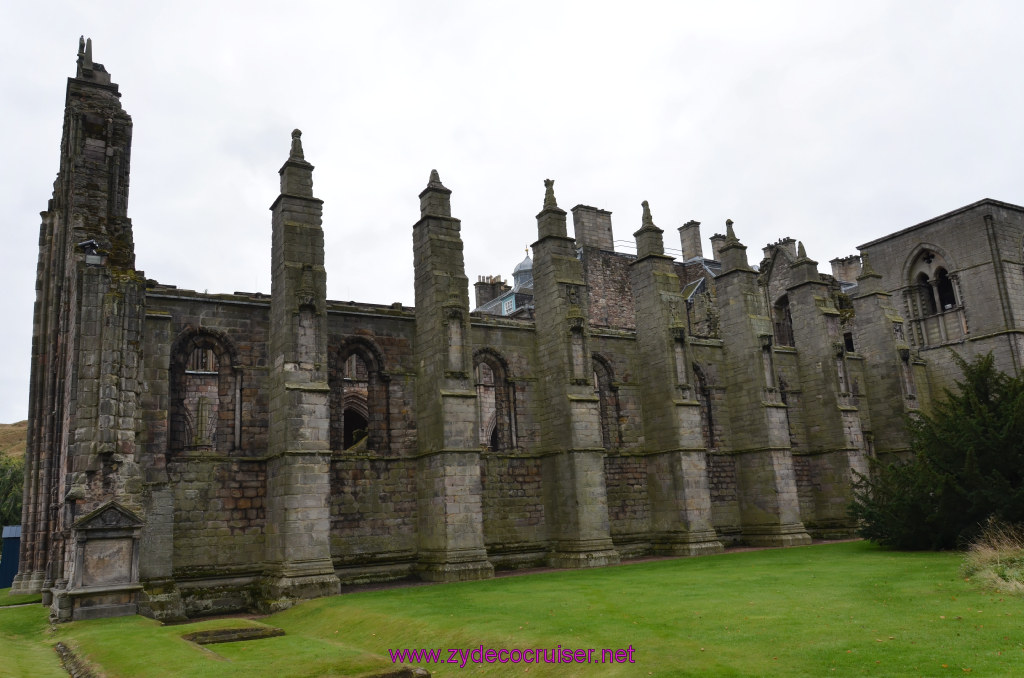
(84, 62)
(647, 221)
(435, 180)
(730, 234)
(801, 253)
(296, 153)
(648, 238)
(549, 194)
(296, 173)
(551, 218)
(435, 199)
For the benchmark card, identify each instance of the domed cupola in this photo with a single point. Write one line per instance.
(522, 274)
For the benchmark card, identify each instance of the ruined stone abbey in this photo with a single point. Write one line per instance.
(194, 453)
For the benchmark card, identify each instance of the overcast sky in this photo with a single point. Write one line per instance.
(833, 123)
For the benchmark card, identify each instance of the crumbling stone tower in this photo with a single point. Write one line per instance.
(82, 499)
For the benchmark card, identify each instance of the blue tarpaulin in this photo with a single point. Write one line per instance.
(9, 555)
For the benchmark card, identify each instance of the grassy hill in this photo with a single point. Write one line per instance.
(13, 438)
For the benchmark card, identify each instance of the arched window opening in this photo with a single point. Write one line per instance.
(486, 402)
(203, 395)
(202, 360)
(608, 402)
(355, 370)
(784, 395)
(495, 401)
(927, 298)
(783, 321)
(944, 286)
(707, 420)
(201, 399)
(932, 299)
(355, 427)
(359, 396)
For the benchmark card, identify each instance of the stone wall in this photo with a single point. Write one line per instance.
(724, 494)
(219, 516)
(373, 515)
(607, 274)
(628, 503)
(513, 506)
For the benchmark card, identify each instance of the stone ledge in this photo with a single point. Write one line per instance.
(72, 663)
(214, 636)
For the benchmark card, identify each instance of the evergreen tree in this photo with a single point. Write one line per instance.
(12, 480)
(967, 465)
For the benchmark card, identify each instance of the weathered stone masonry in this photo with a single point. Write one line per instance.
(193, 454)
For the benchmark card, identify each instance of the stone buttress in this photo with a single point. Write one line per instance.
(758, 428)
(677, 478)
(450, 529)
(576, 500)
(298, 559)
(834, 436)
(881, 339)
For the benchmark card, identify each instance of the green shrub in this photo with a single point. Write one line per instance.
(967, 465)
(12, 480)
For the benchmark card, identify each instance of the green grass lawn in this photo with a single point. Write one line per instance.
(7, 599)
(833, 610)
(26, 649)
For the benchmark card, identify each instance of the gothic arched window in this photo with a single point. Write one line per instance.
(608, 402)
(204, 391)
(925, 295)
(495, 399)
(944, 289)
(359, 401)
(704, 397)
(932, 299)
(783, 322)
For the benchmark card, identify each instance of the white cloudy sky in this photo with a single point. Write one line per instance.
(831, 122)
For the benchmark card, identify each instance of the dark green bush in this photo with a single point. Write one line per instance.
(967, 465)
(12, 480)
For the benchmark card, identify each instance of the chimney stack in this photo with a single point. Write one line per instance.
(689, 240)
